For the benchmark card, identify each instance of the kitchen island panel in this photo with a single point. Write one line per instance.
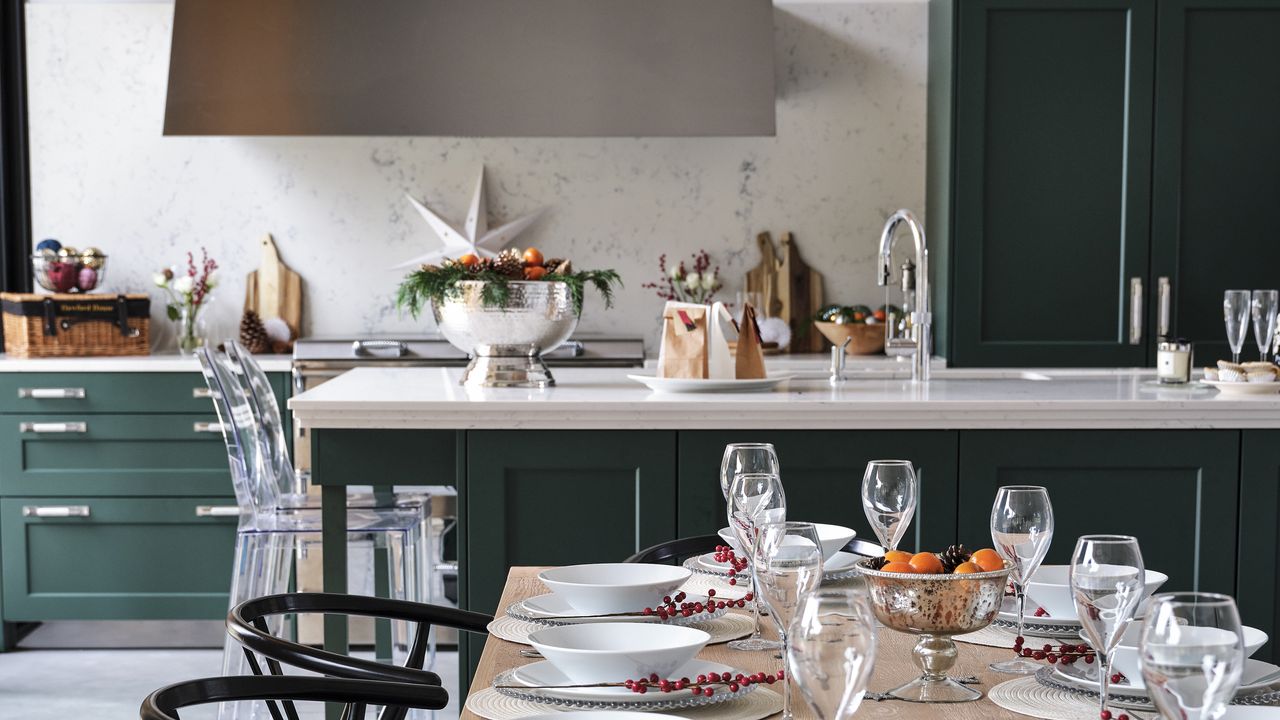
(1258, 560)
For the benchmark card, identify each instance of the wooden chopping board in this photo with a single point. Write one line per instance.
(273, 290)
(800, 289)
(763, 278)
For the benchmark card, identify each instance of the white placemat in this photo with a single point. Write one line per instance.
(755, 705)
(1027, 696)
(992, 636)
(729, 626)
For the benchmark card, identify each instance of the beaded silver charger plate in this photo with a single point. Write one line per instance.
(1048, 677)
(761, 703)
(1039, 629)
(510, 684)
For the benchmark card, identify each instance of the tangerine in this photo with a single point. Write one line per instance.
(534, 272)
(987, 559)
(897, 556)
(469, 260)
(898, 567)
(927, 563)
(533, 256)
(966, 568)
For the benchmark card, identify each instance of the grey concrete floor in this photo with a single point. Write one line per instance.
(81, 670)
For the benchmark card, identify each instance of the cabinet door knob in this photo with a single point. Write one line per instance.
(51, 393)
(1164, 306)
(206, 427)
(55, 511)
(217, 510)
(201, 393)
(53, 427)
(1135, 311)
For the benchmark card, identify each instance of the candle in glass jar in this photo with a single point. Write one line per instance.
(1173, 361)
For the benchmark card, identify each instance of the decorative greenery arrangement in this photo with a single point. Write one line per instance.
(436, 283)
(187, 292)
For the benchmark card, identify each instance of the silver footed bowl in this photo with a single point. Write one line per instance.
(935, 607)
(506, 342)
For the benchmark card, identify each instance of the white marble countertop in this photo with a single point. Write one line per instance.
(166, 362)
(602, 398)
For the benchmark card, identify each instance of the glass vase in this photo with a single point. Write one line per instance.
(191, 328)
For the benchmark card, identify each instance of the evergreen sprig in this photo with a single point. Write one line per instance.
(433, 283)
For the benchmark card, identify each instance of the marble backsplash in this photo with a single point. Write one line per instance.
(849, 150)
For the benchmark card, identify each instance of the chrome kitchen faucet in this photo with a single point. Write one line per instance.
(920, 345)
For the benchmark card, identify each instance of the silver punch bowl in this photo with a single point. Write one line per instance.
(506, 342)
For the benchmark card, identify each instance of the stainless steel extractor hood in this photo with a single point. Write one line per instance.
(491, 68)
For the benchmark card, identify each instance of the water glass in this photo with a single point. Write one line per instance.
(1021, 529)
(831, 651)
(1236, 306)
(754, 500)
(1107, 580)
(744, 458)
(1192, 654)
(889, 491)
(788, 566)
(1266, 303)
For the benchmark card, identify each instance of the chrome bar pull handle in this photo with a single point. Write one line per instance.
(1164, 300)
(55, 511)
(52, 393)
(201, 393)
(217, 510)
(206, 427)
(53, 427)
(1135, 311)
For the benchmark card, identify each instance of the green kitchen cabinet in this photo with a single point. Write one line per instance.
(822, 474)
(1215, 213)
(1175, 490)
(1258, 558)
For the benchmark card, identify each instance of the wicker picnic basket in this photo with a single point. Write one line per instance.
(76, 325)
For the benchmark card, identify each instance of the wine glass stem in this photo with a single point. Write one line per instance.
(786, 681)
(1022, 604)
(1104, 681)
(755, 593)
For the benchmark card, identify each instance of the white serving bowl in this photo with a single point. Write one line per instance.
(1125, 658)
(831, 537)
(605, 588)
(1050, 588)
(614, 652)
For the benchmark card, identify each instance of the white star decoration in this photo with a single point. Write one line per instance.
(476, 237)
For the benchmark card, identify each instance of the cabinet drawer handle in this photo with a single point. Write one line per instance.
(200, 393)
(1165, 305)
(1135, 311)
(53, 427)
(55, 511)
(217, 510)
(52, 393)
(207, 427)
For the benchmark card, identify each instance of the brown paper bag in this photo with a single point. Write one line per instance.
(684, 342)
(750, 354)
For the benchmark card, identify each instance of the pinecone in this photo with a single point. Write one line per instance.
(510, 263)
(953, 556)
(877, 563)
(559, 266)
(252, 333)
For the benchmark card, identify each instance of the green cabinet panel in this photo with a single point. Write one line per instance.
(1258, 562)
(128, 392)
(822, 475)
(114, 455)
(410, 457)
(1050, 180)
(1217, 160)
(131, 558)
(1176, 491)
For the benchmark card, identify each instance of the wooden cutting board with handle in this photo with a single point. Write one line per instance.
(800, 289)
(273, 290)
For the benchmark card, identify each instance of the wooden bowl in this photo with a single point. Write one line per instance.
(867, 339)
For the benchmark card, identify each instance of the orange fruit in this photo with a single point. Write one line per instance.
(468, 260)
(897, 556)
(965, 568)
(532, 256)
(988, 560)
(926, 562)
(898, 567)
(534, 272)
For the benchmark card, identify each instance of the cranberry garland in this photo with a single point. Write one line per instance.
(1067, 654)
(669, 608)
(725, 554)
(703, 684)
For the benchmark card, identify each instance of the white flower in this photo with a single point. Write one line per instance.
(159, 279)
(212, 280)
(675, 273)
(692, 280)
(184, 285)
(709, 281)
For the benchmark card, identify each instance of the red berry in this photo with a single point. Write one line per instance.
(1020, 640)
(1027, 652)
(702, 679)
(708, 691)
(648, 611)
(782, 675)
(733, 687)
(653, 677)
(733, 581)
(1047, 647)
(666, 600)
(770, 679)
(1088, 659)
(1123, 717)
(1115, 677)
(1105, 715)
(714, 677)
(748, 597)
(642, 689)
(711, 592)
(1051, 658)
(630, 684)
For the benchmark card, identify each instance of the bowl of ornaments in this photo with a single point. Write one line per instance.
(505, 312)
(863, 327)
(1250, 378)
(62, 269)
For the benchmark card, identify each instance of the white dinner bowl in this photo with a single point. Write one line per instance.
(605, 588)
(1190, 648)
(1050, 589)
(614, 652)
(831, 537)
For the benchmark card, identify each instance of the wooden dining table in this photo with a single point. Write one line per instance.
(893, 666)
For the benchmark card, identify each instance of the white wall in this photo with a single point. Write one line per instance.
(849, 150)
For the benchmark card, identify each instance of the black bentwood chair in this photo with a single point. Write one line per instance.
(247, 624)
(163, 704)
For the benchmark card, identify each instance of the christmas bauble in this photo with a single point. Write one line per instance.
(92, 257)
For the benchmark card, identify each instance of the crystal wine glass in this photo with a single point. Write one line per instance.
(1021, 529)
(788, 566)
(1266, 303)
(831, 652)
(889, 491)
(755, 499)
(1107, 580)
(1192, 654)
(742, 458)
(1235, 313)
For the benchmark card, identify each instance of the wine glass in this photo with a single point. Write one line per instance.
(832, 650)
(1021, 528)
(889, 492)
(1192, 654)
(755, 499)
(741, 458)
(1107, 580)
(1235, 313)
(1266, 303)
(787, 565)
